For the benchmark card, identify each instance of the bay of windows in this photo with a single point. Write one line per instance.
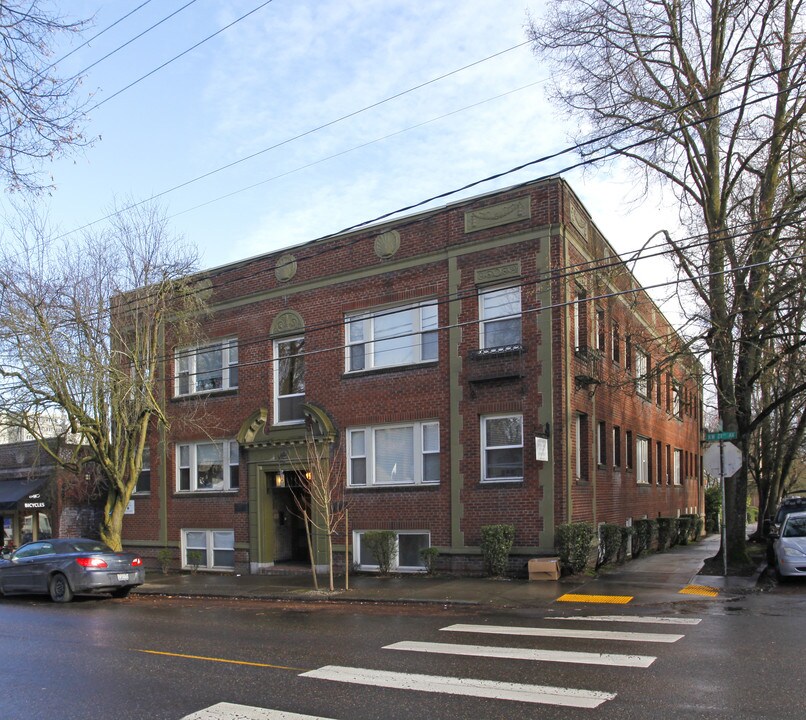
(392, 337)
(500, 317)
(206, 368)
(393, 455)
(502, 448)
(207, 466)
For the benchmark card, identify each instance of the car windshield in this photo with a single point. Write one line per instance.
(795, 527)
(84, 546)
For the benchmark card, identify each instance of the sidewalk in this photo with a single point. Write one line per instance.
(658, 577)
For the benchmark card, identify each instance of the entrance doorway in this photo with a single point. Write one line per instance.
(290, 540)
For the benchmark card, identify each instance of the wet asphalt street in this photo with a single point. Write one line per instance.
(733, 656)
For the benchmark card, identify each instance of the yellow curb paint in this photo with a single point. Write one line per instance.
(610, 599)
(699, 590)
(220, 660)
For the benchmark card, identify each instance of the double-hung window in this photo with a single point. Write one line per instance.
(502, 448)
(207, 466)
(289, 380)
(500, 317)
(392, 337)
(143, 484)
(641, 372)
(678, 463)
(642, 450)
(405, 454)
(208, 549)
(207, 368)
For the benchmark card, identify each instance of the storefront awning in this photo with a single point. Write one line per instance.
(12, 491)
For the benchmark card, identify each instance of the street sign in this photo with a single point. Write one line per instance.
(722, 435)
(724, 463)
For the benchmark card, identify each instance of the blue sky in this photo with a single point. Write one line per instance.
(277, 84)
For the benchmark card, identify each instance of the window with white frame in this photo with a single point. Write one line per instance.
(208, 368)
(208, 549)
(641, 372)
(207, 466)
(601, 443)
(392, 337)
(407, 557)
(678, 463)
(500, 317)
(502, 448)
(406, 454)
(642, 450)
(289, 380)
(677, 405)
(143, 484)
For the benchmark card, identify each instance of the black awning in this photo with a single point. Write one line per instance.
(12, 491)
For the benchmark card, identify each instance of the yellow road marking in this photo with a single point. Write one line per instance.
(221, 660)
(611, 599)
(699, 590)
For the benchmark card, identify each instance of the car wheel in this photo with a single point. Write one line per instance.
(60, 591)
(121, 592)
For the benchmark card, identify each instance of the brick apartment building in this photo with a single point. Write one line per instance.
(491, 361)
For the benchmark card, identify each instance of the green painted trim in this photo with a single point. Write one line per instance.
(162, 445)
(545, 386)
(456, 396)
(384, 267)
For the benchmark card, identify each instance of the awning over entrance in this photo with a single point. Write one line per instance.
(12, 491)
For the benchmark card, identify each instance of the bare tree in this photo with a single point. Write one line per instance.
(319, 498)
(706, 97)
(81, 326)
(40, 114)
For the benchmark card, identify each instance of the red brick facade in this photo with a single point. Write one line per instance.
(534, 243)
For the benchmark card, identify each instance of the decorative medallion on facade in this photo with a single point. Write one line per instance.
(579, 221)
(501, 214)
(286, 268)
(495, 274)
(288, 322)
(387, 244)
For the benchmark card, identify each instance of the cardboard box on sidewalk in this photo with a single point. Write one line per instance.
(544, 569)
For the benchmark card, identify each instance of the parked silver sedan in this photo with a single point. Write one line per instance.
(789, 545)
(63, 568)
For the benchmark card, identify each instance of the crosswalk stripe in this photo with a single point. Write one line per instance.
(565, 633)
(583, 658)
(542, 694)
(631, 619)
(233, 711)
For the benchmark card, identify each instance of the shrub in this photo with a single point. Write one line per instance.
(713, 505)
(684, 524)
(665, 527)
(164, 558)
(194, 560)
(496, 542)
(646, 531)
(429, 556)
(609, 544)
(573, 542)
(627, 533)
(383, 546)
(695, 527)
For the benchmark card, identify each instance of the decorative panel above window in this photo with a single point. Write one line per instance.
(208, 368)
(392, 337)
